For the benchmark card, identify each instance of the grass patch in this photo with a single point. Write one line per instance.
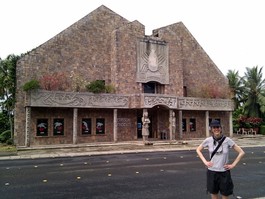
(7, 148)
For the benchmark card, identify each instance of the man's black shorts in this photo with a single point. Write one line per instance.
(219, 181)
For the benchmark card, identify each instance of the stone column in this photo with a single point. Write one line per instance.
(27, 127)
(173, 125)
(207, 124)
(180, 125)
(230, 124)
(170, 125)
(115, 138)
(75, 115)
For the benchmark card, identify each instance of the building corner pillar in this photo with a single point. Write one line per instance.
(75, 116)
(27, 127)
(180, 125)
(115, 135)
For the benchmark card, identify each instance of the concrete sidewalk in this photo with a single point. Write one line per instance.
(120, 148)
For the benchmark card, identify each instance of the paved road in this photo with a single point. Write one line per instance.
(156, 175)
(71, 150)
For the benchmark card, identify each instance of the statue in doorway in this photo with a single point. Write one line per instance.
(145, 127)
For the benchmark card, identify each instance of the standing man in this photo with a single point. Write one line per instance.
(218, 173)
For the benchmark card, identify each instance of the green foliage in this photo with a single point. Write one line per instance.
(262, 129)
(236, 87)
(10, 141)
(97, 86)
(109, 88)
(8, 87)
(31, 85)
(254, 86)
(8, 81)
(5, 136)
(4, 122)
(249, 96)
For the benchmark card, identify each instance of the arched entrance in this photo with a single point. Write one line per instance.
(159, 123)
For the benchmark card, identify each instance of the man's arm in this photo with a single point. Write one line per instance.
(240, 152)
(205, 162)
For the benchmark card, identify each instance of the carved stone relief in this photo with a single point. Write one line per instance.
(205, 104)
(151, 101)
(74, 99)
(152, 61)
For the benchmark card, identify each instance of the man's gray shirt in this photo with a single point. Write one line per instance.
(221, 156)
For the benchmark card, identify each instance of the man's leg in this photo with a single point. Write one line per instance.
(215, 196)
(225, 197)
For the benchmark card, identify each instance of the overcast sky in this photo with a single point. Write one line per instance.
(232, 32)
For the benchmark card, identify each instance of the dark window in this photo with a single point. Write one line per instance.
(153, 87)
(58, 127)
(185, 94)
(149, 87)
(86, 126)
(184, 125)
(100, 126)
(192, 124)
(42, 127)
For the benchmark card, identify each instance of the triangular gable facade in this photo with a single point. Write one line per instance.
(166, 79)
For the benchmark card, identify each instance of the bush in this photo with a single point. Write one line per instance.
(262, 129)
(109, 89)
(9, 142)
(97, 86)
(56, 81)
(5, 136)
(31, 85)
(4, 121)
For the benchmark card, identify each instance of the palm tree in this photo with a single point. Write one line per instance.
(8, 86)
(254, 93)
(236, 86)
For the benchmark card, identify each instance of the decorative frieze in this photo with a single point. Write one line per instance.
(153, 100)
(43, 98)
(188, 103)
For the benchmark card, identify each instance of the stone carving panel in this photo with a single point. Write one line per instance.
(151, 101)
(205, 104)
(74, 99)
(152, 61)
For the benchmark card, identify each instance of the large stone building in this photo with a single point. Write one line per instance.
(166, 77)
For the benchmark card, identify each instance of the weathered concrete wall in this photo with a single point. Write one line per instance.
(190, 65)
(83, 48)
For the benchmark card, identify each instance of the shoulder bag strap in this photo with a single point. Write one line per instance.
(215, 150)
